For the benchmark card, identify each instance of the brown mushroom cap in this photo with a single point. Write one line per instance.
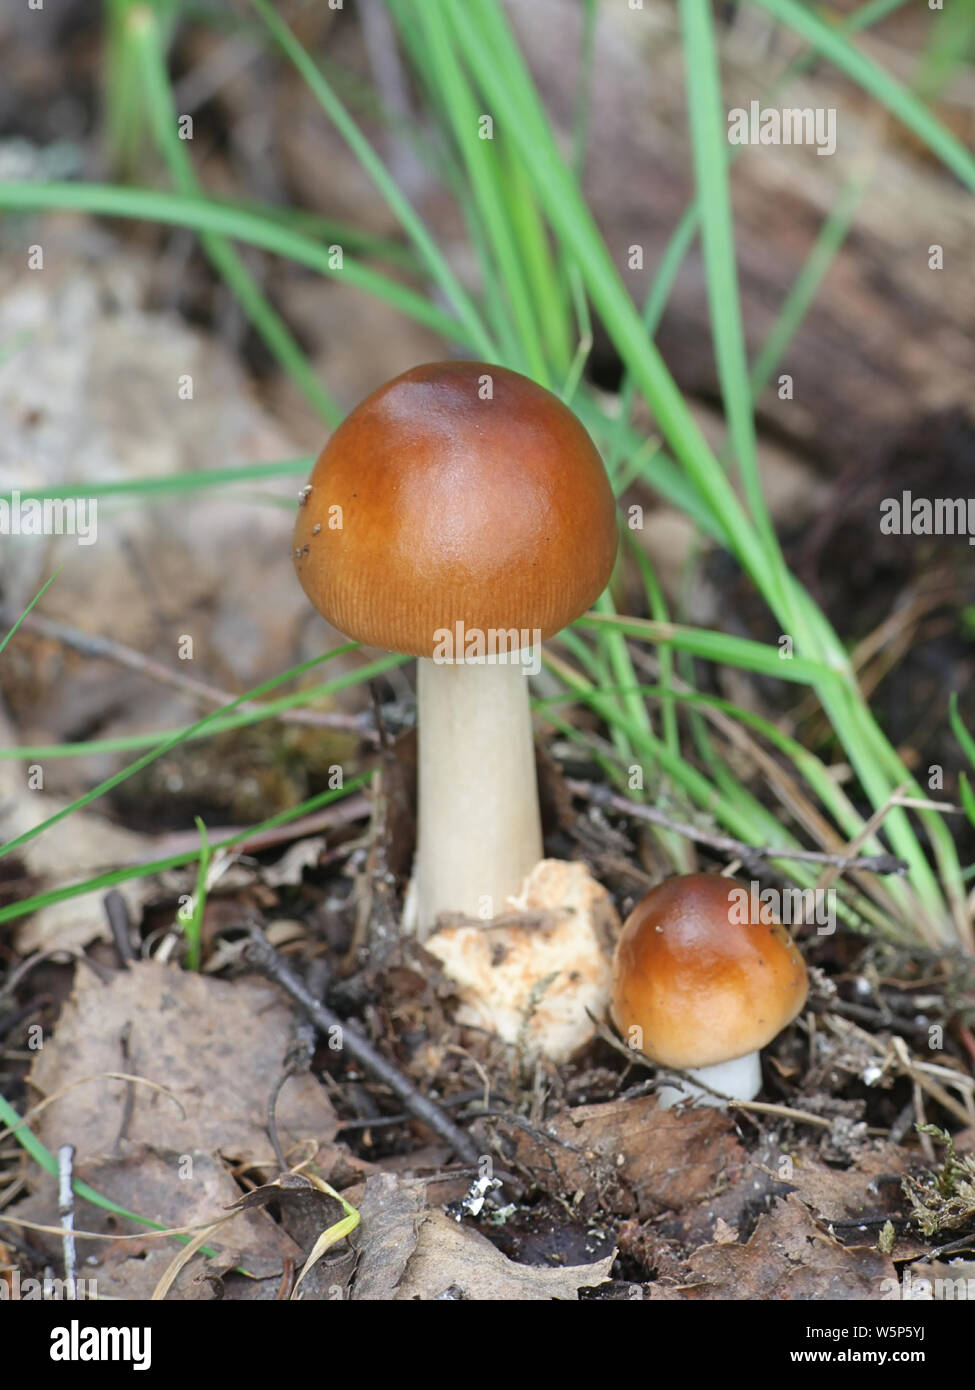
(496, 513)
(702, 976)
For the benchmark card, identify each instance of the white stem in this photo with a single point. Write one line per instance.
(741, 1078)
(479, 833)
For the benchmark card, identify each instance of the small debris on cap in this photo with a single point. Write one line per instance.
(303, 494)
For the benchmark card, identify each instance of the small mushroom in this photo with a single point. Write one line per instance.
(461, 514)
(701, 982)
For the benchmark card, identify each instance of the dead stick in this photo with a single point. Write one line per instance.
(66, 1215)
(345, 812)
(262, 955)
(117, 912)
(106, 649)
(866, 863)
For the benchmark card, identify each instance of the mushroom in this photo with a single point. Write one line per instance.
(461, 514)
(702, 980)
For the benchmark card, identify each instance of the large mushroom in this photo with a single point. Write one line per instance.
(702, 982)
(461, 514)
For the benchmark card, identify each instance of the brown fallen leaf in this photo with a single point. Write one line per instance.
(868, 1191)
(788, 1257)
(629, 1157)
(452, 1261)
(391, 1212)
(724, 1234)
(216, 1047)
(306, 1212)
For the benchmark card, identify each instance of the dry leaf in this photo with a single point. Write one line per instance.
(217, 1047)
(788, 1257)
(868, 1191)
(629, 1157)
(724, 1234)
(391, 1211)
(455, 1261)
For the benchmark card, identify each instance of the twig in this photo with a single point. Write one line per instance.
(764, 1107)
(862, 1013)
(377, 1121)
(920, 1074)
(345, 812)
(665, 1076)
(117, 912)
(604, 796)
(128, 1105)
(66, 1215)
(298, 1057)
(287, 1280)
(106, 649)
(903, 1122)
(954, 1247)
(262, 955)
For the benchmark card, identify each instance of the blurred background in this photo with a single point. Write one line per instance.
(97, 346)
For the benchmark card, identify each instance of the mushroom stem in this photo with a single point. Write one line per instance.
(741, 1078)
(479, 832)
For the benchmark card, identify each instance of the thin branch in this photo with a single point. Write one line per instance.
(66, 1215)
(106, 649)
(263, 957)
(605, 796)
(117, 912)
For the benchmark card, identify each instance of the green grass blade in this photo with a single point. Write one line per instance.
(118, 777)
(474, 329)
(482, 161)
(266, 321)
(709, 142)
(43, 1157)
(39, 595)
(222, 723)
(719, 646)
(112, 877)
(204, 215)
(173, 483)
(806, 286)
(193, 924)
(545, 286)
(901, 103)
(483, 32)
(957, 726)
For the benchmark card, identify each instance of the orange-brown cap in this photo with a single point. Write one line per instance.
(702, 975)
(456, 493)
